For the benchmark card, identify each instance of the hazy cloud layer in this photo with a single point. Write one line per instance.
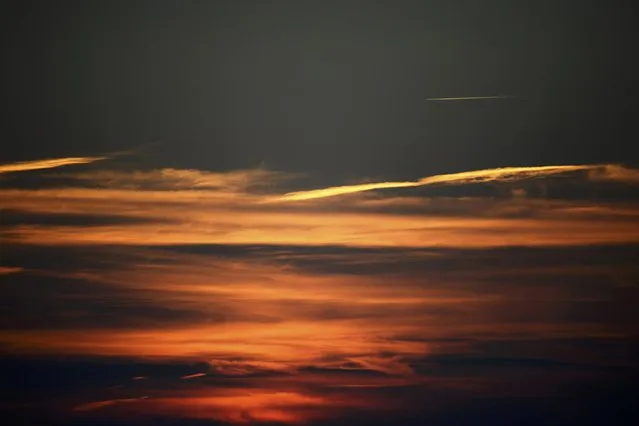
(194, 207)
(192, 295)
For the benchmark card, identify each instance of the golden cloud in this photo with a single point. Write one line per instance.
(51, 163)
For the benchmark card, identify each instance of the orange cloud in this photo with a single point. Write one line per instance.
(193, 376)
(352, 230)
(503, 174)
(224, 208)
(255, 406)
(167, 178)
(615, 173)
(5, 270)
(279, 332)
(90, 406)
(288, 342)
(51, 163)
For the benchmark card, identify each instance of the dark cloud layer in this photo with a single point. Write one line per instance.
(549, 324)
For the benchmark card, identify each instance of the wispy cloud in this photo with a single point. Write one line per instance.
(614, 173)
(51, 163)
(260, 406)
(193, 376)
(90, 406)
(503, 174)
(252, 315)
(175, 179)
(307, 229)
(6, 270)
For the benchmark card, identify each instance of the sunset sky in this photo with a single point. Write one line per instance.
(321, 213)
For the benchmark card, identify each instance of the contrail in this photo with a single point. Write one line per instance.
(503, 174)
(51, 163)
(470, 98)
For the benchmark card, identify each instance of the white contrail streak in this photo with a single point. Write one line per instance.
(470, 98)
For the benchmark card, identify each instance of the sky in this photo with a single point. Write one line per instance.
(319, 213)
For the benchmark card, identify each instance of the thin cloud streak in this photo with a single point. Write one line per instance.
(503, 174)
(193, 376)
(6, 270)
(51, 163)
(91, 406)
(348, 230)
(175, 179)
(259, 406)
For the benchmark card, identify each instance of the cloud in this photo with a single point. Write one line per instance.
(170, 206)
(503, 174)
(297, 345)
(258, 406)
(614, 173)
(248, 368)
(349, 230)
(174, 179)
(193, 376)
(6, 270)
(90, 406)
(192, 206)
(291, 312)
(252, 316)
(51, 163)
